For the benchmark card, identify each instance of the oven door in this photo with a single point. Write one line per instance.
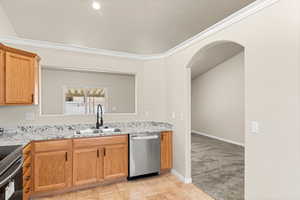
(11, 184)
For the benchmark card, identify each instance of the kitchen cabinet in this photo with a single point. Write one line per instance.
(87, 165)
(115, 161)
(166, 152)
(18, 77)
(52, 165)
(99, 159)
(27, 172)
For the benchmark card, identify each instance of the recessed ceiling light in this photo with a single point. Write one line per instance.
(96, 5)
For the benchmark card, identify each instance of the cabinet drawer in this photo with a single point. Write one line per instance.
(26, 170)
(54, 145)
(27, 150)
(27, 188)
(99, 141)
(27, 177)
(27, 163)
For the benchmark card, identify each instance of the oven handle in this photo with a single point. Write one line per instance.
(151, 137)
(13, 173)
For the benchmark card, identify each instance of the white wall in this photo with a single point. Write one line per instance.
(6, 29)
(272, 87)
(218, 101)
(150, 89)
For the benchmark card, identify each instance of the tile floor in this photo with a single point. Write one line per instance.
(164, 187)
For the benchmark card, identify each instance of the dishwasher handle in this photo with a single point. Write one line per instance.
(150, 137)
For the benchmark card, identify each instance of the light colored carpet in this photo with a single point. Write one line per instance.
(218, 168)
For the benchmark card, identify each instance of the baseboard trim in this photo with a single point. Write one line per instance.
(181, 177)
(218, 138)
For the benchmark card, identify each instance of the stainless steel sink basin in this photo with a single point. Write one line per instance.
(102, 130)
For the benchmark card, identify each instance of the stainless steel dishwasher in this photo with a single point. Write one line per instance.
(144, 154)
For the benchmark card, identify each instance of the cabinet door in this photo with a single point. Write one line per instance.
(19, 79)
(52, 170)
(166, 155)
(2, 78)
(115, 161)
(87, 166)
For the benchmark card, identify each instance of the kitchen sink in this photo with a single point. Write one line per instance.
(101, 130)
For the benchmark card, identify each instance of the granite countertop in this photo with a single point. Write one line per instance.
(22, 135)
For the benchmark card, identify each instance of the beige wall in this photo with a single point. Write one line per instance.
(120, 89)
(6, 29)
(149, 79)
(218, 101)
(272, 87)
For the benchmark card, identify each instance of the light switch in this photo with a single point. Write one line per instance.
(254, 127)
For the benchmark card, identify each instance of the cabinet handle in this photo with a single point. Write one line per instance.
(104, 152)
(66, 156)
(162, 137)
(98, 153)
(32, 98)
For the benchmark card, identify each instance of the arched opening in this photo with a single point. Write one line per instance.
(217, 88)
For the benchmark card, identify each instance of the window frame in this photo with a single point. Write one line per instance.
(136, 74)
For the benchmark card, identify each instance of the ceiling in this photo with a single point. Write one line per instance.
(209, 58)
(133, 26)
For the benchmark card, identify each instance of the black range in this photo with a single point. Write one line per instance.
(11, 186)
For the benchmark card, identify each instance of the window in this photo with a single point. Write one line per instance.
(78, 101)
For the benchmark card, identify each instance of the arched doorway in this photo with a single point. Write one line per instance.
(218, 119)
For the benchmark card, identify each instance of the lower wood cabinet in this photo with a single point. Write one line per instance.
(166, 152)
(87, 165)
(100, 159)
(52, 170)
(96, 164)
(27, 172)
(60, 165)
(115, 161)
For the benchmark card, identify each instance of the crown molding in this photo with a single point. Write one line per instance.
(243, 13)
(75, 48)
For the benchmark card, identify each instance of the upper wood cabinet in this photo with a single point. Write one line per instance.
(18, 77)
(166, 154)
(2, 77)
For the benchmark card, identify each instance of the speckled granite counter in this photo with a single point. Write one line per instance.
(22, 135)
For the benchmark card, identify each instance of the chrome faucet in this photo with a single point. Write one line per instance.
(98, 125)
